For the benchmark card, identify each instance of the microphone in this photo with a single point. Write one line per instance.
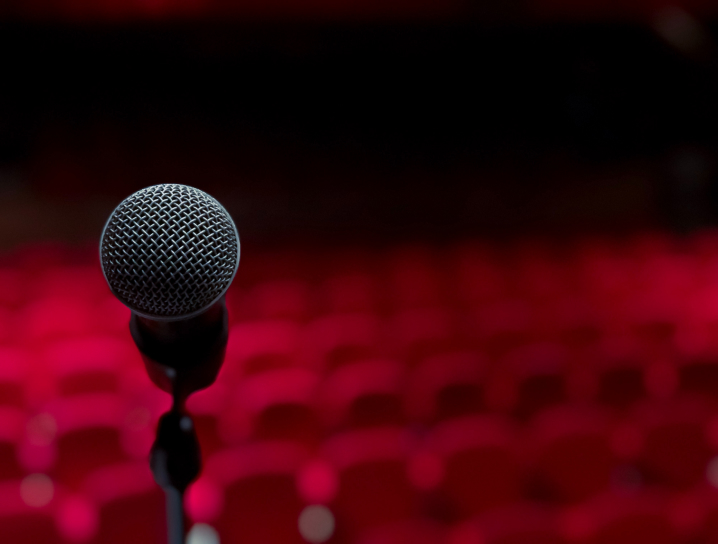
(169, 252)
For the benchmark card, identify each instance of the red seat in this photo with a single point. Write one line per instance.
(603, 274)
(653, 315)
(447, 385)
(55, 317)
(698, 375)
(530, 378)
(115, 318)
(255, 346)
(72, 279)
(503, 325)
(519, 523)
(416, 531)
(419, 333)
(414, 278)
(675, 444)
(130, 505)
(349, 292)
(278, 299)
(12, 428)
(89, 435)
(624, 374)
(90, 364)
(572, 321)
(571, 453)
(374, 487)
(27, 513)
(478, 275)
(15, 371)
(333, 340)
(363, 393)
(622, 518)
(260, 499)
(8, 325)
(481, 463)
(695, 512)
(13, 286)
(537, 271)
(273, 405)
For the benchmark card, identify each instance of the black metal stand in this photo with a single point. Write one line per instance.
(180, 357)
(175, 462)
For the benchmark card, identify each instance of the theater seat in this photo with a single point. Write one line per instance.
(261, 503)
(415, 334)
(255, 346)
(530, 378)
(277, 299)
(89, 364)
(374, 486)
(15, 370)
(571, 455)
(276, 404)
(675, 446)
(619, 369)
(12, 429)
(502, 325)
(89, 432)
(447, 385)
(336, 339)
(482, 469)
(130, 505)
(413, 277)
(349, 291)
(622, 518)
(476, 274)
(363, 394)
(27, 514)
(416, 531)
(519, 523)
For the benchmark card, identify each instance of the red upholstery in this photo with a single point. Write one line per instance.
(482, 469)
(615, 518)
(374, 487)
(422, 393)
(571, 453)
(261, 502)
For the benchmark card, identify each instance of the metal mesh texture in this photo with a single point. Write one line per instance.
(169, 251)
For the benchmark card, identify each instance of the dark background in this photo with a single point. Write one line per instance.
(329, 125)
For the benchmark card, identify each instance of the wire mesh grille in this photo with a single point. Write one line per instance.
(169, 251)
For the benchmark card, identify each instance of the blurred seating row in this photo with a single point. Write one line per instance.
(565, 455)
(258, 494)
(471, 394)
(360, 391)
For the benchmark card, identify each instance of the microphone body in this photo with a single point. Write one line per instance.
(183, 356)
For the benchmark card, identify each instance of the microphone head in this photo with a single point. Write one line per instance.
(169, 251)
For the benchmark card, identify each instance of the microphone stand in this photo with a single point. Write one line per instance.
(175, 463)
(180, 357)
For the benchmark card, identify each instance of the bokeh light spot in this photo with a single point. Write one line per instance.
(712, 472)
(316, 523)
(36, 490)
(201, 533)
